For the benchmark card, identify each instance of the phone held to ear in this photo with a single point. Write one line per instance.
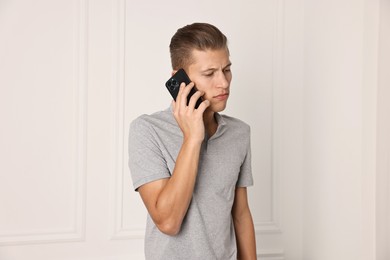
(173, 85)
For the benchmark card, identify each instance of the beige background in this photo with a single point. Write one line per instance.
(310, 77)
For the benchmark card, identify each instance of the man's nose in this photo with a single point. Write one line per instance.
(223, 82)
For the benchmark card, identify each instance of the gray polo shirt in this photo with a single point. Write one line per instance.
(207, 231)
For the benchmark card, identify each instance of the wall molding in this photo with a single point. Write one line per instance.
(272, 226)
(271, 254)
(117, 230)
(77, 231)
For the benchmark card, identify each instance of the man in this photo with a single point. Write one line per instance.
(192, 166)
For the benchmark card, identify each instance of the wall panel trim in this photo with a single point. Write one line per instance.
(77, 231)
(262, 228)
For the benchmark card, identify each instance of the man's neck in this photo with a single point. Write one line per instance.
(210, 123)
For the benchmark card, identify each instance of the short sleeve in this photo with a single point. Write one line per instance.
(146, 161)
(245, 177)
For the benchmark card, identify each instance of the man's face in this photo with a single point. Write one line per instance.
(210, 71)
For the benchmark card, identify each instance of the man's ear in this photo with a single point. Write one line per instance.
(173, 72)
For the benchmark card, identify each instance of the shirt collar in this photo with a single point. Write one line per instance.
(220, 120)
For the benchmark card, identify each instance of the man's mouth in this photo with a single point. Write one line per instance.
(223, 96)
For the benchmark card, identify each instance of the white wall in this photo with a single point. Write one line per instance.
(307, 77)
(73, 76)
(333, 130)
(383, 130)
(256, 40)
(344, 110)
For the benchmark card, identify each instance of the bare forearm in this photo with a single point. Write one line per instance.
(173, 201)
(245, 236)
(172, 198)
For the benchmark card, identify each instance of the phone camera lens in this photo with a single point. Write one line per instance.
(174, 83)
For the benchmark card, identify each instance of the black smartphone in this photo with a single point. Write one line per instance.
(173, 85)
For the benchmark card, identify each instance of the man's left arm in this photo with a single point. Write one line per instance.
(243, 225)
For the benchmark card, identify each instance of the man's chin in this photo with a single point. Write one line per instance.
(218, 108)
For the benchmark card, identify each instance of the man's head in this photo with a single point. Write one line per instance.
(201, 50)
(196, 36)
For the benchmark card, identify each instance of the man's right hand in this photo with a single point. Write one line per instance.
(189, 119)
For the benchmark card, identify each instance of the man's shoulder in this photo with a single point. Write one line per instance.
(156, 119)
(235, 122)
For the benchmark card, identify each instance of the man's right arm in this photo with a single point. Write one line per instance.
(167, 200)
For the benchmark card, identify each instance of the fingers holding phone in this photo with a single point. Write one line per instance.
(189, 97)
(197, 102)
(188, 106)
(173, 86)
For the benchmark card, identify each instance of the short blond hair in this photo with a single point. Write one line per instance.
(198, 36)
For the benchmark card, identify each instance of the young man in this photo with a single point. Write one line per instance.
(192, 166)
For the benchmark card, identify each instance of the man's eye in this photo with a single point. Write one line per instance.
(209, 74)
